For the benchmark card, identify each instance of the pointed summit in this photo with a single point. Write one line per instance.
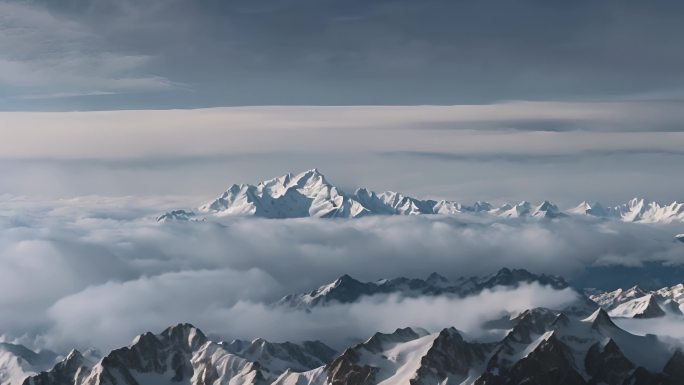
(651, 309)
(547, 210)
(184, 334)
(600, 319)
(437, 280)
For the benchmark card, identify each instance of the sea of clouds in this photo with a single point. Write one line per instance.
(96, 271)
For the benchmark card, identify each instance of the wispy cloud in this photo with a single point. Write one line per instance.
(45, 55)
(619, 150)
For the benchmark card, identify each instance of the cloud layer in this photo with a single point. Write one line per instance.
(96, 271)
(609, 152)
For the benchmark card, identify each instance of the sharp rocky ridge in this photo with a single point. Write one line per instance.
(347, 289)
(309, 194)
(541, 346)
(636, 302)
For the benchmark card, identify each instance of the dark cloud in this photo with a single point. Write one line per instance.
(357, 52)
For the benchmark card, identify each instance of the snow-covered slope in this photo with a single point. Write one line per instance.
(309, 194)
(541, 346)
(636, 302)
(290, 196)
(281, 357)
(18, 362)
(183, 354)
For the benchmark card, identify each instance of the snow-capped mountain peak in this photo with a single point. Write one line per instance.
(310, 194)
(636, 302)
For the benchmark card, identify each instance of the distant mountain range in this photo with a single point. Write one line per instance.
(309, 194)
(638, 303)
(348, 290)
(625, 303)
(577, 345)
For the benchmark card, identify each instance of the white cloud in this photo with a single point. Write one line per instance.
(95, 271)
(462, 130)
(150, 304)
(464, 153)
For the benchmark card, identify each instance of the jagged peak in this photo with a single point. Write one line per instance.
(561, 320)
(451, 333)
(536, 313)
(364, 192)
(181, 326)
(259, 341)
(636, 201)
(436, 279)
(507, 275)
(345, 279)
(176, 215)
(636, 289)
(376, 341)
(143, 339)
(74, 354)
(184, 333)
(600, 318)
(312, 187)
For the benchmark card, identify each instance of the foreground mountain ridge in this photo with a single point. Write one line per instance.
(541, 347)
(309, 194)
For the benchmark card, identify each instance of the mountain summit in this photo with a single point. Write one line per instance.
(309, 194)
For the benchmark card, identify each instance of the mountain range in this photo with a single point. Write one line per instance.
(348, 290)
(577, 344)
(541, 347)
(636, 302)
(309, 194)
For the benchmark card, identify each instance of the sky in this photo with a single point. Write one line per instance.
(489, 100)
(152, 54)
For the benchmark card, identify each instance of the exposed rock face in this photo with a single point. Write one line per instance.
(345, 370)
(543, 347)
(675, 366)
(550, 363)
(450, 357)
(70, 371)
(606, 363)
(183, 354)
